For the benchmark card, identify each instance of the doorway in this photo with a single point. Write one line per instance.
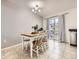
(54, 28)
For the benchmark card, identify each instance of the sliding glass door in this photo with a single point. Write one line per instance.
(54, 28)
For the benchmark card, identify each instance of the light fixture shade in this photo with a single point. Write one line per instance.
(33, 10)
(39, 10)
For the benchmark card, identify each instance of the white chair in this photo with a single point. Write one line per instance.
(38, 45)
(25, 43)
(45, 42)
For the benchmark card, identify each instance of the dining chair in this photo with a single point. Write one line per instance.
(38, 45)
(26, 42)
(45, 42)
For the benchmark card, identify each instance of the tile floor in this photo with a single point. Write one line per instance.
(55, 50)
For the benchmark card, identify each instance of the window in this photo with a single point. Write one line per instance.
(56, 20)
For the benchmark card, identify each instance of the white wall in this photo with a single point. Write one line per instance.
(15, 21)
(70, 23)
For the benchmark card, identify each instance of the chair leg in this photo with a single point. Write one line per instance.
(42, 48)
(26, 45)
(37, 52)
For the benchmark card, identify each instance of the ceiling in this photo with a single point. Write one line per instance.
(49, 6)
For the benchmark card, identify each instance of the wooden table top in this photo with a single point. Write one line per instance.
(32, 35)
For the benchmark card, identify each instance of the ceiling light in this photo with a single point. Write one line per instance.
(36, 9)
(36, 6)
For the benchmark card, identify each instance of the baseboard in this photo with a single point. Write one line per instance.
(11, 46)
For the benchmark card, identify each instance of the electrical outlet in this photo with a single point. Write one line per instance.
(4, 41)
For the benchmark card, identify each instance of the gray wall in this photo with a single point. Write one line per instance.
(14, 21)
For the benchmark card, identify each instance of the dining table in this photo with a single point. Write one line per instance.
(31, 38)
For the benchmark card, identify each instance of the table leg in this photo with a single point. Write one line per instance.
(22, 43)
(31, 45)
